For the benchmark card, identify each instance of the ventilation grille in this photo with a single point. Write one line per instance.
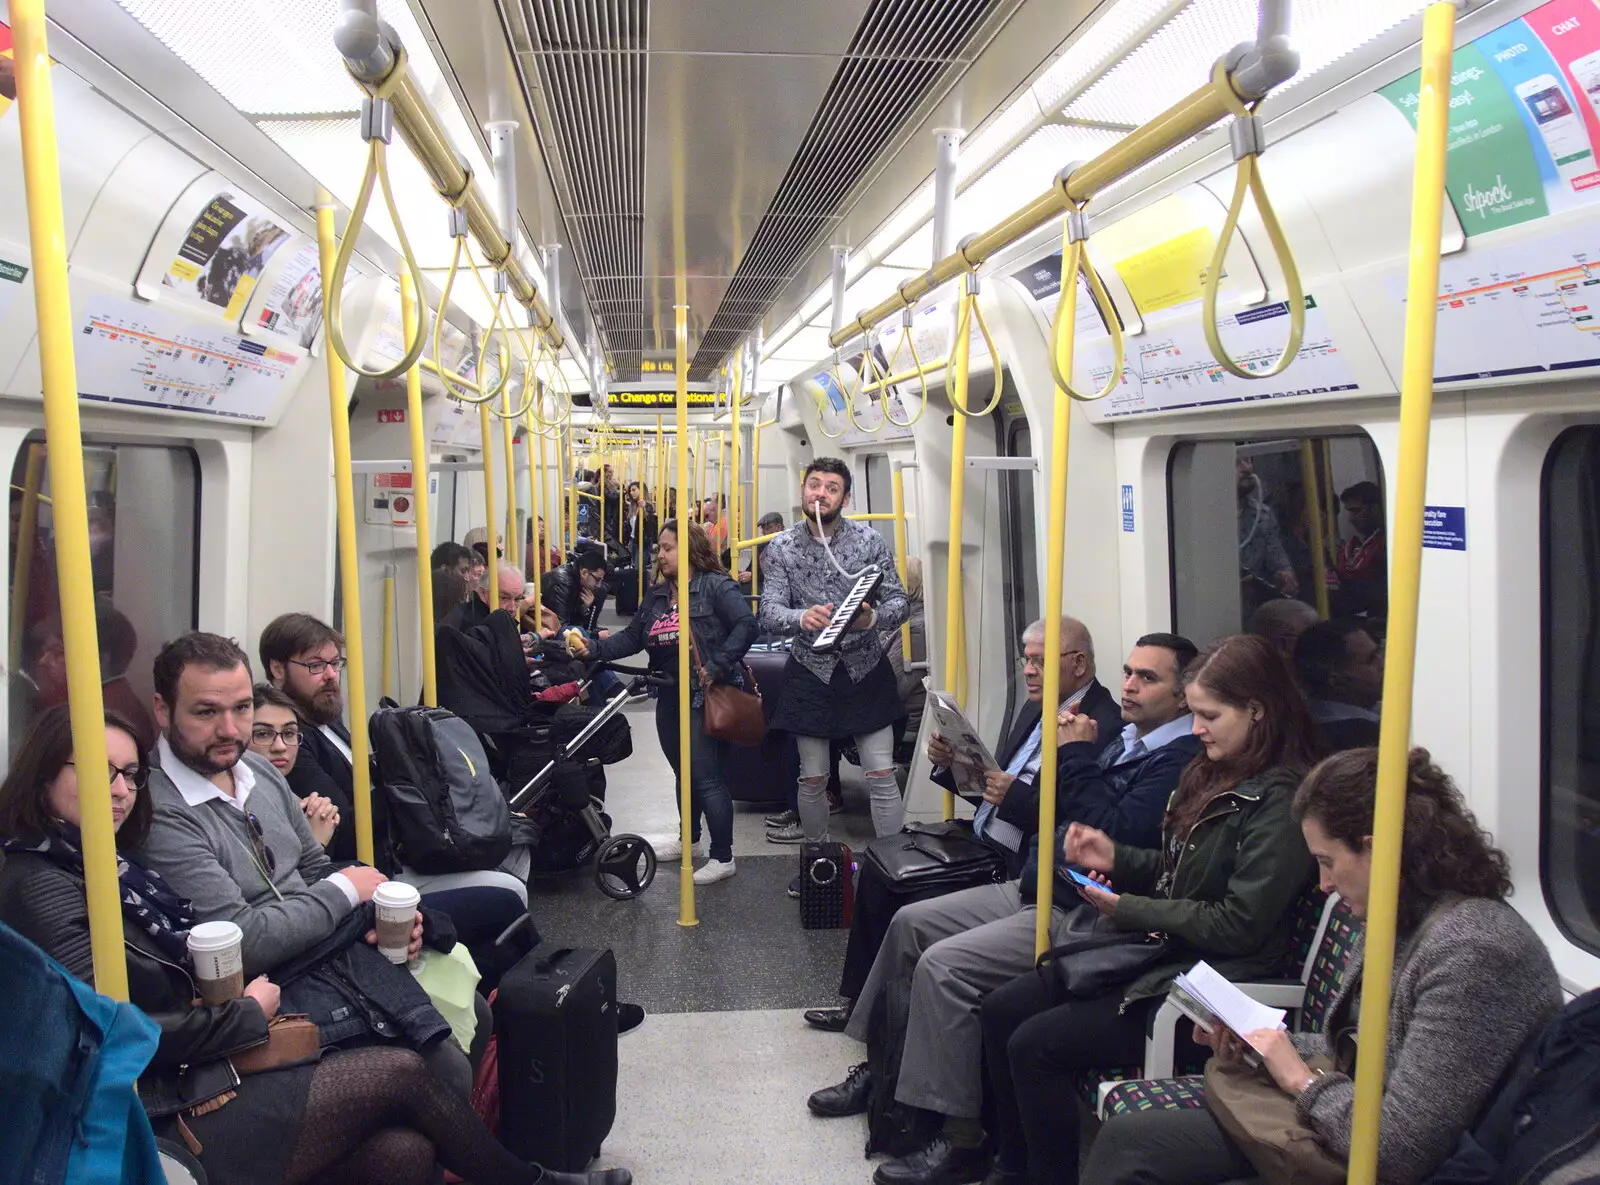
(588, 57)
(900, 51)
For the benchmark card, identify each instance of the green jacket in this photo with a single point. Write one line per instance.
(1232, 895)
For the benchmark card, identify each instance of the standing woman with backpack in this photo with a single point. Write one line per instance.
(723, 629)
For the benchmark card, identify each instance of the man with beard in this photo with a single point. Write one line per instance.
(850, 691)
(303, 658)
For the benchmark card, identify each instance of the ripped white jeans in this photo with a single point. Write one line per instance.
(876, 749)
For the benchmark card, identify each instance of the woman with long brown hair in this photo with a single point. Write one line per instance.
(1220, 889)
(723, 630)
(1472, 983)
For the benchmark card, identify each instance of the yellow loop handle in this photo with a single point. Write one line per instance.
(908, 338)
(864, 373)
(438, 325)
(531, 365)
(822, 422)
(969, 310)
(1075, 262)
(1247, 180)
(377, 170)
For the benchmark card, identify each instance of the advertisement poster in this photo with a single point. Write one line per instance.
(1524, 118)
(224, 251)
(8, 70)
(294, 306)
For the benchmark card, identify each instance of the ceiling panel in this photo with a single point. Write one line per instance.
(735, 26)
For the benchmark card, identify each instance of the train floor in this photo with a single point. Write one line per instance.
(712, 1087)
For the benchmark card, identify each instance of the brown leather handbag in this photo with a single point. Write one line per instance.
(732, 714)
(292, 1039)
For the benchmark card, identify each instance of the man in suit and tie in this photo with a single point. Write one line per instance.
(1008, 813)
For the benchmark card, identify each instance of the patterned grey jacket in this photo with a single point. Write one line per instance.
(799, 575)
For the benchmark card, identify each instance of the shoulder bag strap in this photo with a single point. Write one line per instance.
(686, 624)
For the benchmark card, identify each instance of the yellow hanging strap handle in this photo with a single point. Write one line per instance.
(963, 342)
(849, 397)
(530, 383)
(907, 339)
(1075, 262)
(377, 125)
(1249, 141)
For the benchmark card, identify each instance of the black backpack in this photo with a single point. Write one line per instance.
(1546, 1114)
(446, 812)
(893, 1127)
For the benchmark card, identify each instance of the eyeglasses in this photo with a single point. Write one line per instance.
(318, 665)
(1028, 663)
(258, 841)
(289, 734)
(135, 776)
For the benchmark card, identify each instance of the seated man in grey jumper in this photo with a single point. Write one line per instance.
(229, 834)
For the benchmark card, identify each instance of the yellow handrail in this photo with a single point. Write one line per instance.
(508, 432)
(349, 562)
(377, 169)
(958, 390)
(41, 167)
(1247, 181)
(1075, 262)
(386, 640)
(421, 501)
(1311, 482)
(1405, 576)
(490, 508)
(897, 488)
(918, 371)
(686, 916)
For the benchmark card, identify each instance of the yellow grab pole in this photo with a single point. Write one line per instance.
(735, 513)
(508, 434)
(686, 865)
(700, 479)
(47, 240)
(955, 641)
(602, 484)
(897, 484)
(1405, 572)
(491, 523)
(349, 564)
(722, 484)
(386, 639)
(755, 500)
(1050, 699)
(532, 440)
(1312, 485)
(572, 492)
(420, 500)
(27, 532)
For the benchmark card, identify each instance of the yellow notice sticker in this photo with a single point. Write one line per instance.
(1170, 273)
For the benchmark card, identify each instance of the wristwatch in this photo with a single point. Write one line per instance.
(1316, 1072)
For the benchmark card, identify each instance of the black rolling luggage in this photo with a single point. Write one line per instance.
(827, 886)
(555, 1021)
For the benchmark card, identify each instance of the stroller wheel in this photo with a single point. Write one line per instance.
(624, 866)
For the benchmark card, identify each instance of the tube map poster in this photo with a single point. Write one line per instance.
(1524, 118)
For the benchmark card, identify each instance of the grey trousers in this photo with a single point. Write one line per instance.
(955, 950)
(1165, 1148)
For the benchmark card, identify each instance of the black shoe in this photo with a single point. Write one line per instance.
(847, 1098)
(794, 888)
(940, 1163)
(783, 819)
(598, 1177)
(629, 1017)
(829, 1020)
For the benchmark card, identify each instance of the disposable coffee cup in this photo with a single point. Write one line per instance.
(396, 908)
(217, 951)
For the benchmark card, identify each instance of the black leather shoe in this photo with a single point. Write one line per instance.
(940, 1163)
(829, 1020)
(629, 1017)
(847, 1098)
(598, 1177)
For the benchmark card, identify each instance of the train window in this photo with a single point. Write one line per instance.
(879, 492)
(1570, 827)
(142, 564)
(1245, 517)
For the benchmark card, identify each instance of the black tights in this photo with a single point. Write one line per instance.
(376, 1116)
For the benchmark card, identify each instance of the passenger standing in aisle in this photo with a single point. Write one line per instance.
(850, 691)
(723, 629)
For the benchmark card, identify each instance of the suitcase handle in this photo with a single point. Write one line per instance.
(549, 961)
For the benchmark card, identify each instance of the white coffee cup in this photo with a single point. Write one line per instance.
(396, 907)
(217, 951)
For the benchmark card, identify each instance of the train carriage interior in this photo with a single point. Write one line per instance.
(1126, 319)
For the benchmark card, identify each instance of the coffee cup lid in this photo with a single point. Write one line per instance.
(214, 936)
(396, 893)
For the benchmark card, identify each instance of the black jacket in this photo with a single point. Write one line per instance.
(320, 768)
(45, 903)
(559, 593)
(720, 616)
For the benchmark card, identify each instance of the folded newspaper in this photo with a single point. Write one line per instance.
(1210, 1000)
(972, 757)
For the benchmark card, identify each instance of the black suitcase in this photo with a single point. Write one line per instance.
(555, 1018)
(827, 886)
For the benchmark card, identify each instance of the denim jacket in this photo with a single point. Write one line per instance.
(721, 619)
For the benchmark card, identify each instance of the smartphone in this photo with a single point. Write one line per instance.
(1587, 71)
(1083, 880)
(1559, 125)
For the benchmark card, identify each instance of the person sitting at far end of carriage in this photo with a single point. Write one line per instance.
(1120, 785)
(1340, 668)
(1472, 984)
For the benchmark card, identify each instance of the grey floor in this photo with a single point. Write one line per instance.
(713, 1085)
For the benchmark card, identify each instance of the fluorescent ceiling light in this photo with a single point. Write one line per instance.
(877, 284)
(917, 209)
(1026, 171)
(811, 343)
(1089, 52)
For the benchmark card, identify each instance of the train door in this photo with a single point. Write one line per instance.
(1019, 544)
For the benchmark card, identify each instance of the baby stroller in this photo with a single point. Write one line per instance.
(559, 799)
(555, 749)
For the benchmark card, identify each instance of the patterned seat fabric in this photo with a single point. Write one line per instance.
(1156, 1094)
(1303, 923)
(1327, 970)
